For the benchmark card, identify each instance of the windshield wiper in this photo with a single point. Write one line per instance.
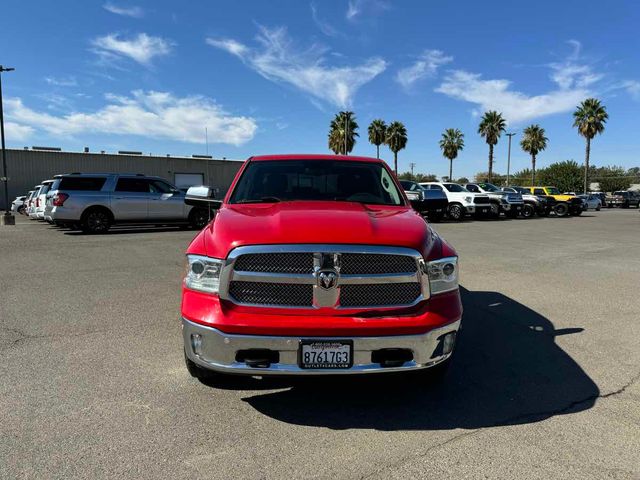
(261, 200)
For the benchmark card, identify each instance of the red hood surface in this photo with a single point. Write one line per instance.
(302, 222)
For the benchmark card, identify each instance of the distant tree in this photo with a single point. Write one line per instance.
(491, 127)
(343, 125)
(462, 180)
(589, 118)
(406, 176)
(396, 140)
(533, 141)
(497, 179)
(567, 176)
(522, 177)
(377, 132)
(426, 177)
(611, 178)
(451, 143)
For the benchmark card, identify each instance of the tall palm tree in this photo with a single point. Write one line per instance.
(589, 118)
(491, 127)
(533, 142)
(342, 133)
(451, 143)
(396, 140)
(377, 131)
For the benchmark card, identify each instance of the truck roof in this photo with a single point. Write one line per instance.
(307, 156)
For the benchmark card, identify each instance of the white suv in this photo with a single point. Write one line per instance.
(461, 200)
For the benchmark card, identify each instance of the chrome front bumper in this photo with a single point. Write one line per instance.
(218, 351)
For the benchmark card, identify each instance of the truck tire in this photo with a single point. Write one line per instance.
(96, 220)
(206, 376)
(455, 212)
(198, 218)
(528, 211)
(495, 210)
(561, 209)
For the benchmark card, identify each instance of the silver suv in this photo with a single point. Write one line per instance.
(94, 202)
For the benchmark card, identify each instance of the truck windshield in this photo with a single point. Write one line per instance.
(330, 180)
(454, 187)
(553, 191)
(489, 187)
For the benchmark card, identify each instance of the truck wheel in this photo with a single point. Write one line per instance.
(577, 213)
(598, 208)
(96, 220)
(561, 209)
(495, 210)
(206, 376)
(21, 210)
(198, 218)
(455, 212)
(528, 211)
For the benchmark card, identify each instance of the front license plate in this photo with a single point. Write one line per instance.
(326, 354)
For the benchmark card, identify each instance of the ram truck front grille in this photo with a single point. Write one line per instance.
(329, 276)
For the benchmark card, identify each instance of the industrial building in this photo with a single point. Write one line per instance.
(27, 167)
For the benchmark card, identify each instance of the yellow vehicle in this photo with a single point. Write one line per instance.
(565, 204)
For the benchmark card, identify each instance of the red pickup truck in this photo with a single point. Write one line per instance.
(317, 264)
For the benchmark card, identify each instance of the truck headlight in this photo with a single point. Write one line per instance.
(443, 274)
(468, 199)
(203, 273)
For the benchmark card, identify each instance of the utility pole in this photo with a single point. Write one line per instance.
(510, 134)
(346, 132)
(412, 166)
(7, 218)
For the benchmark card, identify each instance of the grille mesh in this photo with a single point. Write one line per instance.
(373, 263)
(275, 262)
(290, 295)
(379, 294)
(480, 199)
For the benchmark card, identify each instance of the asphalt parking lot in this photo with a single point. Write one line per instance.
(544, 385)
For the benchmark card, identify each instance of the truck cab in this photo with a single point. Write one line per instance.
(566, 204)
(509, 203)
(462, 202)
(316, 265)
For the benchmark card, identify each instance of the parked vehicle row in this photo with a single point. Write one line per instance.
(94, 202)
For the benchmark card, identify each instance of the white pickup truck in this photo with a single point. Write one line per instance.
(509, 203)
(462, 202)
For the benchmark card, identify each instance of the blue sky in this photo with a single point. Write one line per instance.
(267, 76)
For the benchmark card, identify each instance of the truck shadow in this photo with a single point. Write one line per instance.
(507, 370)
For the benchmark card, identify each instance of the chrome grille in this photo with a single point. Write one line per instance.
(275, 262)
(379, 294)
(258, 293)
(324, 276)
(372, 263)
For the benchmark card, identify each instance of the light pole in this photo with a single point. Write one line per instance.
(8, 218)
(510, 134)
(412, 165)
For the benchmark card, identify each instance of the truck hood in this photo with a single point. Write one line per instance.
(303, 222)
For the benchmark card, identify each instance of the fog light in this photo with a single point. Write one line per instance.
(196, 343)
(448, 342)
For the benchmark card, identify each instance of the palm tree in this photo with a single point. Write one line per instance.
(377, 131)
(533, 141)
(491, 127)
(396, 140)
(451, 143)
(589, 118)
(342, 133)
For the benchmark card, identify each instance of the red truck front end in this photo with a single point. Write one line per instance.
(318, 265)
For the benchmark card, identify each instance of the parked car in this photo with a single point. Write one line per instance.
(509, 203)
(623, 199)
(31, 209)
(602, 196)
(40, 199)
(95, 202)
(27, 201)
(591, 201)
(533, 204)
(565, 204)
(17, 205)
(461, 201)
(431, 203)
(317, 264)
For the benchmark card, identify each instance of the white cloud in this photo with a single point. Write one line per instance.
(277, 60)
(633, 88)
(149, 114)
(574, 81)
(498, 95)
(61, 82)
(141, 48)
(356, 8)
(133, 11)
(14, 132)
(325, 27)
(426, 66)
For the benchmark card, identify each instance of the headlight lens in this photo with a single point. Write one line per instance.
(443, 274)
(468, 199)
(203, 273)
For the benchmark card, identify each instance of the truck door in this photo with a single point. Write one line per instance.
(130, 199)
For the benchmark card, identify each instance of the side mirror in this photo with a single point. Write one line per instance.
(203, 197)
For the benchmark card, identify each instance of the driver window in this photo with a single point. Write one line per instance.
(472, 188)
